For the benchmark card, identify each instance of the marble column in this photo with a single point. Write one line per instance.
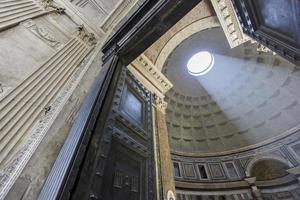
(166, 167)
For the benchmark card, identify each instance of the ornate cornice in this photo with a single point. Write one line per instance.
(150, 76)
(229, 22)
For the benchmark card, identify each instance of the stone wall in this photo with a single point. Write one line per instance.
(50, 55)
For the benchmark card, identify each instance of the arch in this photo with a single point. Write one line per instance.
(258, 159)
(195, 27)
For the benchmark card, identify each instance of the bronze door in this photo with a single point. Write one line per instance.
(119, 163)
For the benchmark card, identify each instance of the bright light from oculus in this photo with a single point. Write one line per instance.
(200, 63)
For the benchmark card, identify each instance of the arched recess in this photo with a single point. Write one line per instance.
(195, 27)
(263, 162)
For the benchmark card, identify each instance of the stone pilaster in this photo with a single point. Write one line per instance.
(28, 111)
(166, 167)
(13, 12)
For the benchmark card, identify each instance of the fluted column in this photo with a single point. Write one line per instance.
(21, 108)
(166, 166)
(24, 109)
(12, 12)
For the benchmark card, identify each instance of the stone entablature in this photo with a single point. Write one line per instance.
(229, 22)
(150, 76)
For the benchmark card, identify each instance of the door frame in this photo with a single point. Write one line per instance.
(139, 32)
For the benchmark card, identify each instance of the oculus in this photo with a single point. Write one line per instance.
(200, 63)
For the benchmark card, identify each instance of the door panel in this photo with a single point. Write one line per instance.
(120, 160)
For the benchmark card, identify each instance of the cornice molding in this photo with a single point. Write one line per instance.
(275, 142)
(150, 76)
(229, 22)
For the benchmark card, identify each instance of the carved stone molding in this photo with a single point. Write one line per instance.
(43, 33)
(150, 76)
(229, 22)
(263, 49)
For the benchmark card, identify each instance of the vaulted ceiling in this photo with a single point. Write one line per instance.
(247, 99)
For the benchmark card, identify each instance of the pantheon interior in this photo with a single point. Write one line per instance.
(150, 99)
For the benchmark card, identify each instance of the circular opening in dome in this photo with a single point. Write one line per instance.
(200, 63)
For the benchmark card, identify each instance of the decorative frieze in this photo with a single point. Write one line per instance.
(151, 75)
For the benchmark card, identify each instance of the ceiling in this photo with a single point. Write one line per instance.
(248, 98)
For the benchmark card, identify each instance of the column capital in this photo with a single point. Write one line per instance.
(160, 103)
(50, 5)
(84, 35)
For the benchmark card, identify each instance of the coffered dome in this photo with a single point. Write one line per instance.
(248, 98)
